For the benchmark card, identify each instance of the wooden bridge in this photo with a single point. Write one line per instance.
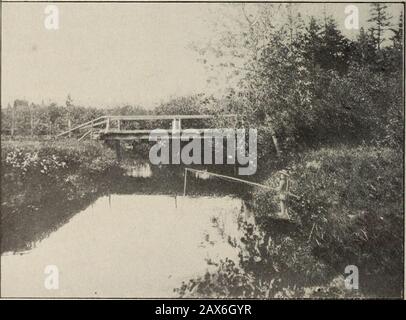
(112, 127)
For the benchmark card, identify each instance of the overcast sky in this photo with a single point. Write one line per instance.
(111, 54)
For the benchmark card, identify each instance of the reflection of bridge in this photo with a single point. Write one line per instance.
(113, 127)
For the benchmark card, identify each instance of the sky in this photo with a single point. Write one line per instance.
(113, 54)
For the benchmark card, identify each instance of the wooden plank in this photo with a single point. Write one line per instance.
(168, 131)
(232, 178)
(168, 117)
(136, 131)
(92, 125)
(213, 133)
(80, 126)
(85, 135)
(141, 136)
(124, 137)
(107, 125)
(137, 118)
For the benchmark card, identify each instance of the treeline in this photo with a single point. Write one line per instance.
(306, 84)
(30, 119)
(24, 118)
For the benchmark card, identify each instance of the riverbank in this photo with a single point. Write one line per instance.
(348, 211)
(35, 174)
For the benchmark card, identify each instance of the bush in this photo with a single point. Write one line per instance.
(350, 211)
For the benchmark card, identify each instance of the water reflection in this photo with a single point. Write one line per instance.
(129, 246)
(142, 170)
(23, 228)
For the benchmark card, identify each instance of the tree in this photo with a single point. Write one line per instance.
(397, 37)
(364, 51)
(335, 48)
(69, 104)
(313, 43)
(293, 78)
(69, 101)
(55, 113)
(380, 22)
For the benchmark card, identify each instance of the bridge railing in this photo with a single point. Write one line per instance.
(108, 119)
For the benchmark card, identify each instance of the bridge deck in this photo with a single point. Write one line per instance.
(101, 127)
(145, 135)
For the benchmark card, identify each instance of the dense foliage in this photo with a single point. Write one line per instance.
(330, 110)
(306, 84)
(349, 212)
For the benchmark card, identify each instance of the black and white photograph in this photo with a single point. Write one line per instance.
(202, 150)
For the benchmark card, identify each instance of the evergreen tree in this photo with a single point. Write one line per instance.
(364, 51)
(397, 37)
(69, 101)
(325, 47)
(312, 42)
(335, 48)
(380, 22)
(295, 26)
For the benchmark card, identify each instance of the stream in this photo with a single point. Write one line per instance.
(128, 245)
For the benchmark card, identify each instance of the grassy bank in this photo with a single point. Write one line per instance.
(349, 212)
(35, 173)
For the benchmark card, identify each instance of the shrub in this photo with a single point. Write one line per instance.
(350, 211)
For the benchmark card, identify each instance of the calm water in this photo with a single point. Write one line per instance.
(139, 171)
(128, 245)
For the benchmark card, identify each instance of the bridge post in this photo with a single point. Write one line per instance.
(107, 125)
(176, 125)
